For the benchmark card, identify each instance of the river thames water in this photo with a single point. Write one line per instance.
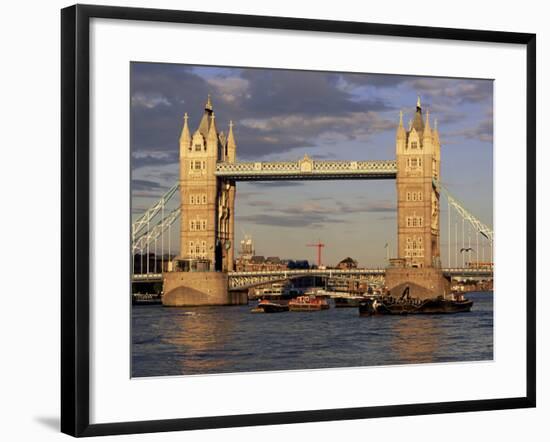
(204, 340)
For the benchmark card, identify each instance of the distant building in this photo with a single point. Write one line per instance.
(347, 263)
(260, 264)
(480, 265)
(298, 264)
(247, 247)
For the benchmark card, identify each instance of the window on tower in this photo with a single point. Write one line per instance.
(414, 163)
(414, 145)
(415, 221)
(198, 147)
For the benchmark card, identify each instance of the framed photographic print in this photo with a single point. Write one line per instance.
(276, 220)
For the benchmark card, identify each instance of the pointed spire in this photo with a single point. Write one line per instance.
(231, 144)
(427, 128)
(185, 136)
(204, 124)
(418, 122)
(400, 128)
(212, 131)
(231, 136)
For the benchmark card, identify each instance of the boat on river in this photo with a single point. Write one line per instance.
(404, 305)
(308, 303)
(347, 300)
(271, 306)
(146, 298)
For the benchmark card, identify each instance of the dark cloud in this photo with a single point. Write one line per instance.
(274, 110)
(140, 185)
(282, 220)
(451, 90)
(376, 80)
(261, 203)
(313, 213)
(140, 160)
(160, 94)
(482, 132)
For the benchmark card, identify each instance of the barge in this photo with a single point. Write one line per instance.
(404, 305)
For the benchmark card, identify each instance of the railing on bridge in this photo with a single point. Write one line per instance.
(243, 280)
(307, 169)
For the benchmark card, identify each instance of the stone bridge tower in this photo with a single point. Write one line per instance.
(207, 233)
(207, 203)
(418, 160)
(418, 164)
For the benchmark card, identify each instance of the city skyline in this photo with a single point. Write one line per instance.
(284, 115)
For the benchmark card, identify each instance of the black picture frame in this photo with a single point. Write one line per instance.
(75, 212)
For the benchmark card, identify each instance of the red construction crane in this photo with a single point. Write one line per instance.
(319, 246)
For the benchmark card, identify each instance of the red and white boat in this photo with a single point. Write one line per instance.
(307, 303)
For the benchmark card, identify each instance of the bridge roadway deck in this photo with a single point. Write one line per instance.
(331, 273)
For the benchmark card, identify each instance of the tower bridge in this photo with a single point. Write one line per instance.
(203, 273)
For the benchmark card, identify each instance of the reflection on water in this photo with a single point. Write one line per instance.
(417, 338)
(181, 341)
(198, 336)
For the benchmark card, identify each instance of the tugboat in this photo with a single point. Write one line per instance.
(269, 306)
(387, 305)
(308, 303)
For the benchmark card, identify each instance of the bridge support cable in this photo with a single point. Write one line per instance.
(478, 226)
(153, 234)
(162, 244)
(169, 241)
(152, 211)
(448, 234)
(483, 233)
(462, 250)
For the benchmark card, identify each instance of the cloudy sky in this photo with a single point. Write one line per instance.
(282, 115)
